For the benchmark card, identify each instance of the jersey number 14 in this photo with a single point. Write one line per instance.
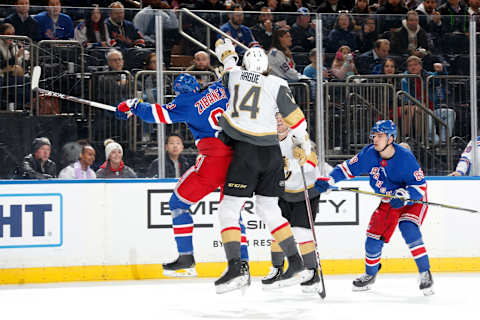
(248, 103)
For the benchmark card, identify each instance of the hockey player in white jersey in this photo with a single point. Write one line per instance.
(294, 209)
(249, 126)
(465, 162)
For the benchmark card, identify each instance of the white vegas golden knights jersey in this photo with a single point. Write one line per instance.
(254, 101)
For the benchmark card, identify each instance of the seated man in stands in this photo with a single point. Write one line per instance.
(263, 30)
(175, 163)
(53, 24)
(37, 164)
(367, 61)
(201, 62)
(23, 23)
(303, 35)
(237, 30)
(81, 168)
(122, 31)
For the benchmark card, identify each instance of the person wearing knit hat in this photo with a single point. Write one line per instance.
(37, 164)
(114, 167)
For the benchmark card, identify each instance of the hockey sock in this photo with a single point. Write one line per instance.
(304, 237)
(284, 237)
(307, 250)
(182, 229)
(243, 242)
(277, 254)
(373, 253)
(231, 242)
(413, 237)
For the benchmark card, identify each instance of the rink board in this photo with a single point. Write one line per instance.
(120, 229)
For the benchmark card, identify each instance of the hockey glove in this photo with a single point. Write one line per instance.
(225, 52)
(301, 148)
(401, 201)
(125, 108)
(324, 184)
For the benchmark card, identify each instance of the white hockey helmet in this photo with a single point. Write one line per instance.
(256, 60)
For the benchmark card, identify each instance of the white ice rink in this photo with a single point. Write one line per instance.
(394, 296)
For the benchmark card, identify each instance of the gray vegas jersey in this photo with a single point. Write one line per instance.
(254, 101)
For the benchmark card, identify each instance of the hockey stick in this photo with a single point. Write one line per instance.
(37, 71)
(395, 197)
(322, 293)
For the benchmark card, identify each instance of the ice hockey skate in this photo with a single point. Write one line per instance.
(272, 277)
(184, 266)
(294, 274)
(236, 276)
(364, 282)
(312, 284)
(426, 283)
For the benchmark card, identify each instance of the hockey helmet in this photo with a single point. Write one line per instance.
(185, 83)
(256, 60)
(385, 126)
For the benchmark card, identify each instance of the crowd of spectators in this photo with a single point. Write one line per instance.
(360, 37)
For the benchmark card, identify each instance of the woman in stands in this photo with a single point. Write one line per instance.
(92, 32)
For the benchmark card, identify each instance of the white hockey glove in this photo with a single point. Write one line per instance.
(401, 200)
(226, 54)
(301, 148)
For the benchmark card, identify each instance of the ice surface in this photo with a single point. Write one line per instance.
(394, 296)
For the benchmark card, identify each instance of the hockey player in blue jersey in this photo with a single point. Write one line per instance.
(393, 170)
(200, 110)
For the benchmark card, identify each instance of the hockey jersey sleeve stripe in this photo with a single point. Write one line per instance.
(161, 115)
(346, 171)
(294, 118)
(417, 192)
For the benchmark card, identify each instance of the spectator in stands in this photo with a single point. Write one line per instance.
(37, 165)
(367, 36)
(237, 30)
(432, 99)
(280, 57)
(430, 19)
(12, 61)
(92, 32)
(23, 23)
(343, 65)
(115, 60)
(390, 17)
(263, 30)
(81, 168)
(454, 17)
(113, 87)
(360, 12)
(303, 35)
(201, 62)
(113, 167)
(121, 30)
(330, 8)
(144, 21)
(310, 70)
(410, 39)
(53, 24)
(342, 34)
(175, 163)
(370, 60)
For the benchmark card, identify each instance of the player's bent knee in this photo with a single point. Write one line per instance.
(229, 211)
(410, 231)
(176, 203)
(268, 210)
(302, 234)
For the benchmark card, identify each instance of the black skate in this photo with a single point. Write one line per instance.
(365, 281)
(294, 273)
(235, 277)
(426, 283)
(312, 284)
(246, 269)
(272, 277)
(184, 266)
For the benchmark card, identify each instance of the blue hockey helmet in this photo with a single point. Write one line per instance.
(385, 126)
(185, 83)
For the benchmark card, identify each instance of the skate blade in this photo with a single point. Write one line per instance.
(189, 272)
(300, 277)
(234, 284)
(428, 291)
(358, 289)
(311, 289)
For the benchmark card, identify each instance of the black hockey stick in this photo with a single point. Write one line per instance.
(322, 293)
(35, 82)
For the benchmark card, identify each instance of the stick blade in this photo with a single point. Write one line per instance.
(37, 71)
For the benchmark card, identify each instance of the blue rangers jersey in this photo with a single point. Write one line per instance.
(386, 176)
(199, 110)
